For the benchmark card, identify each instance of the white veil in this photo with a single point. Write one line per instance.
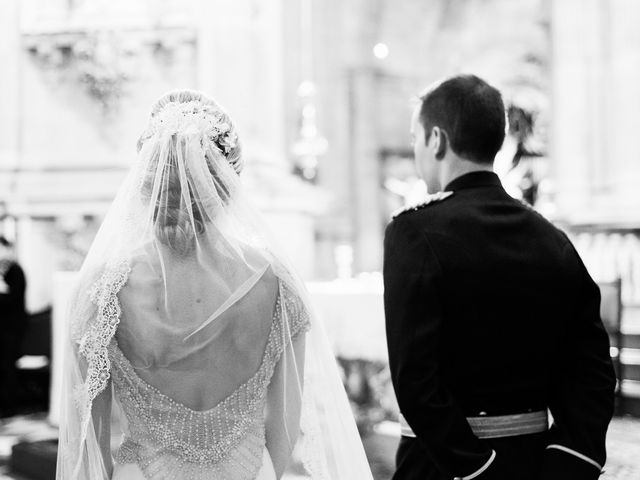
(184, 281)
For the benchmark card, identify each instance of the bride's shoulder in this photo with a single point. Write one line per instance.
(261, 259)
(268, 283)
(283, 274)
(142, 265)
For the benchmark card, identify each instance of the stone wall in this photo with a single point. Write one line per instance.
(81, 79)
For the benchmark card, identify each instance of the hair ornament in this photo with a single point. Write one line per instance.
(194, 118)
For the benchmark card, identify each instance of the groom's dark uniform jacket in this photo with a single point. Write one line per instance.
(491, 312)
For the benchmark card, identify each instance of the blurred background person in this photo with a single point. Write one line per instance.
(12, 322)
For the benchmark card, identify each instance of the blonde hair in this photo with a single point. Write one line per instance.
(173, 223)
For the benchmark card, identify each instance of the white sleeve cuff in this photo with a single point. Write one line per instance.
(576, 454)
(481, 470)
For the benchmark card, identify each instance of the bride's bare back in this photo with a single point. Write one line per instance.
(202, 370)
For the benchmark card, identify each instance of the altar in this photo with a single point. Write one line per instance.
(352, 313)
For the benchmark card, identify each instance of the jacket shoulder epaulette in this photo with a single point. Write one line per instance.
(431, 199)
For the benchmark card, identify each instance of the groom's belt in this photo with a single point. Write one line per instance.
(498, 426)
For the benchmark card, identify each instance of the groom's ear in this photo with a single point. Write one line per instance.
(440, 142)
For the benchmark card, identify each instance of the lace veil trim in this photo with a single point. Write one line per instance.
(98, 332)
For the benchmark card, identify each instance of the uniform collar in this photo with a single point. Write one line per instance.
(473, 180)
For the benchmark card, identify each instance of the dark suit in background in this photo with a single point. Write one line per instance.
(13, 320)
(490, 311)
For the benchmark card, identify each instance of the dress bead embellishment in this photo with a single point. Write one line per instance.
(225, 442)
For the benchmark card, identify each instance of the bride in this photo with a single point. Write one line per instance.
(191, 342)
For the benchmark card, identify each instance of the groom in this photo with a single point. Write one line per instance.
(491, 316)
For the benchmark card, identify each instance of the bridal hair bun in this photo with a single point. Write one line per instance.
(191, 112)
(175, 225)
(181, 211)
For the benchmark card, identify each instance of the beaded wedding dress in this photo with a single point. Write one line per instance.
(192, 352)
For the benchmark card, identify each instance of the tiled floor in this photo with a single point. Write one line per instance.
(623, 446)
(25, 427)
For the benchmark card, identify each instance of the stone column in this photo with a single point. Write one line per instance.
(240, 63)
(364, 131)
(62, 285)
(9, 89)
(37, 256)
(576, 96)
(595, 158)
(623, 101)
(365, 170)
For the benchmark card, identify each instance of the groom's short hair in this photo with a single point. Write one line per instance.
(472, 114)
